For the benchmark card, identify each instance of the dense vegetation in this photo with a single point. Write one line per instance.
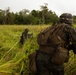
(42, 16)
(14, 57)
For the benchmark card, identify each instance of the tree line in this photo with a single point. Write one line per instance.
(43, 16)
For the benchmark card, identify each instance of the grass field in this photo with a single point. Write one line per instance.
(14, 57)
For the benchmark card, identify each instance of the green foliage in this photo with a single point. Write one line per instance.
(14, 57)
(43, 16)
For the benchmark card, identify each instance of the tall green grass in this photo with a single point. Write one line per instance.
(14, 57)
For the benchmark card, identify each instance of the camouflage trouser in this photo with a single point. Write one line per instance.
(45, 67)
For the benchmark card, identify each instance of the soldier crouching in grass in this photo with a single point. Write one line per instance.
(25, 35)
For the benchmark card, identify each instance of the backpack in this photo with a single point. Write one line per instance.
(43, 36)
(60, 54)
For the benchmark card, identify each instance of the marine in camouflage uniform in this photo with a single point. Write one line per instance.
(24, 36)
(67, 33)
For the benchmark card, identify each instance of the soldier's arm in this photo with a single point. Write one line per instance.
(72, 35)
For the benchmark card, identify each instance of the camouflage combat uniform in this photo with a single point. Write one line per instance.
(24, 36)
(43, 59)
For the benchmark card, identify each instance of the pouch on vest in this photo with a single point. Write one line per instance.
(32, 62)
(61, 55)
(43, 36)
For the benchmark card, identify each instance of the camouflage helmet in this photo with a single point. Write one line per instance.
(66, 18)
